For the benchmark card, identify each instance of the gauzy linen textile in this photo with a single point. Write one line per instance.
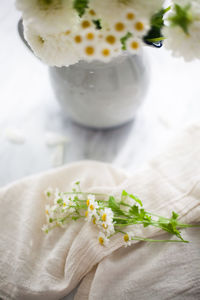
(38, 266)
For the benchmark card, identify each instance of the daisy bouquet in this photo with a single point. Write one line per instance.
(63, 32)
(110, 215)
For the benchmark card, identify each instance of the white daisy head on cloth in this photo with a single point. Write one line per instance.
(45, 228)
(76, 186)
(107, 215)
(106, 221)
(183, 33)
(91, 213)
(49, 193)
(103, 240)
(128, 238)
(50, 17)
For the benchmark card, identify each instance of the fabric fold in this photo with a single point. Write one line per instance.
(38, 266)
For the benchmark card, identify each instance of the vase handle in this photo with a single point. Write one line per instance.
(20, 28)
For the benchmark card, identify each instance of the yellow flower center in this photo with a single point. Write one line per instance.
(106, 52)
(92, 207)
(135, 45)
(86, 213)
(78, 39)
(47, 212)
(105, 226)
(103, 218)
(67, 32)
(64, 204)
(119, 26)
(110, 39)
(89, 50)
(88, 202)
(139, 26)
(40, 39)
(101, 240)
(126, 238)
(90, 36)
(85, 24)
(92, 12)
(130, 16)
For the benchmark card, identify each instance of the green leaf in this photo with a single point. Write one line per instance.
(124, 39)
(182, 17)
(157, 19)
(80, 6)
(134, 210)
(114, 206)
(75, 218)
(60, 201)
(97, 23)
(154, 35)
(136, 199)
(174, 216)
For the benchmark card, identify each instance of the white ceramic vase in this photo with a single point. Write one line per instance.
(97, 94)
(102, 95)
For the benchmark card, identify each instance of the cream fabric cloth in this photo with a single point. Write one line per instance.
(38, 266)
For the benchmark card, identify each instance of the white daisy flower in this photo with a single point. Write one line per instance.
(111, 11)
(133, 46)
(68, 204)
(54, 49)
(76, 186)
(49, 193)
(103, 240)
(50, 17)
(92, 208)
(108, 229)
(185, 43)
(45, 228)
(128, 238)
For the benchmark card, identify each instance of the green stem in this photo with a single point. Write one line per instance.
(159, 241)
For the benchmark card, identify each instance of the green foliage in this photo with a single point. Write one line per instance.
(80, 6)
(123, 214)
(124, 39)
(182, 17)
(171, 225)
(140, 215)
(115, 206)
(125, 194)
(97, 23)
(154, 35)
(60, 201)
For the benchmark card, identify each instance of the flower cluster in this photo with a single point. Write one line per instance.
(62, 32)
(183, 33)
(110, 216)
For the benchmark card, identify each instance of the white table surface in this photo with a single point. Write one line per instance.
(27, 103)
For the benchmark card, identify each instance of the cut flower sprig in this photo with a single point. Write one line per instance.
(111, 215)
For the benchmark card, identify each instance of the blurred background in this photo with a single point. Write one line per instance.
(31, 119)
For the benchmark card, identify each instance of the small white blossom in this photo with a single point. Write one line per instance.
(48, 16)
(180, 42)
(103, 240)
(76, 186)
(128, 238)
(92, 205)
(106, 221)
(45, 228)
(49, 193)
